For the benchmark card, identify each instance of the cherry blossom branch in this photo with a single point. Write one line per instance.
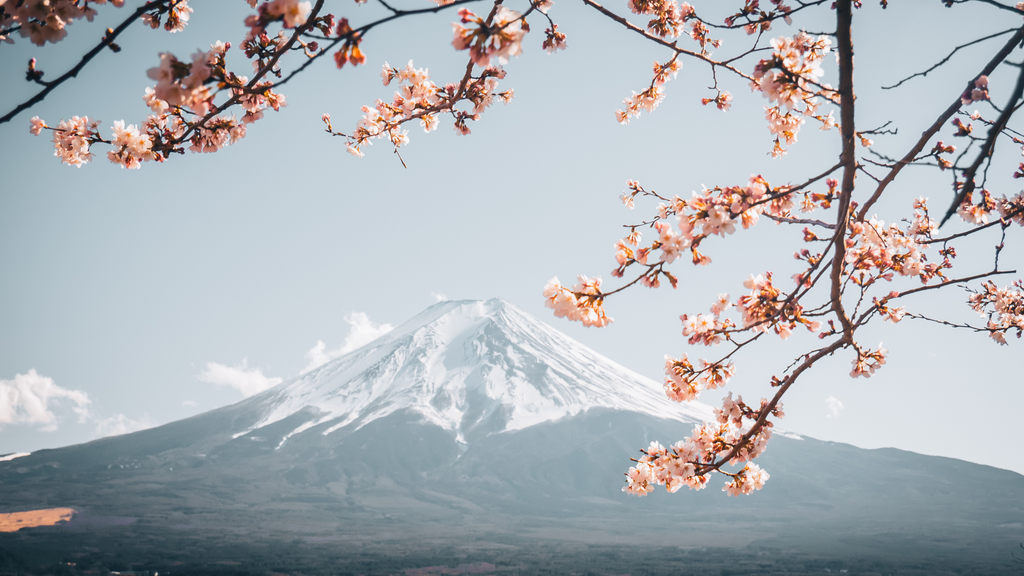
(1003, 221)
(1000, 56)
(771, 18)
(108, 40)
(673, 45)
(951, 282)
(766, 411)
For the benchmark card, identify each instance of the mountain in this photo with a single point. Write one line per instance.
(470, 368)
(476, 426)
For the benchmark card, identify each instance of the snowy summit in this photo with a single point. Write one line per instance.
(470, 367)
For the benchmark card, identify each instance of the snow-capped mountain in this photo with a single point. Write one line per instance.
(471, 368)
(474, 422)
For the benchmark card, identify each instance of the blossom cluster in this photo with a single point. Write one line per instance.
(790, 81)
(766, 308)
(1009, 209)
(977, 94)
(130, 147)
(292, 13)
(584, 303)
(500, 39)
(712, 212)
(418, 98)
(649, 99)
(755, 20)
(868, 361)
(43, 21)
(177, 13)
(875, 251)
(182, 103)
(72, 139)
(1003, 307)
(669, 17)
(690, 461)
(553, 40)
(685, 382)
(183, 84)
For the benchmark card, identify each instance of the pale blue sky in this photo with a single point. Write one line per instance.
(125, 284)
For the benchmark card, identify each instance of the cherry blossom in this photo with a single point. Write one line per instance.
(1002, 307)
(499, 38)
(72, 139)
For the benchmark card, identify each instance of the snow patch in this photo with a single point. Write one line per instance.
(10, 457)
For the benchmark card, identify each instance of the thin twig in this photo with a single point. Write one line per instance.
(946, 59)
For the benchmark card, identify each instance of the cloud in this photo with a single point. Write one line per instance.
(439, 296)
(30, 399)
(362, 331)
(189, 403)
(246, 380)
(834, 407)
(121, 424)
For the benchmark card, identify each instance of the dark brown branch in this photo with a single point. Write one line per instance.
(767, 409)
(951, 282)
(1003, 221)
(939, 122)
(848, 158)
(987, 148)
(108, 39)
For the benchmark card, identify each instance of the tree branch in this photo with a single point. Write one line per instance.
(844, 38)
(108, 39)
(939, 122)
(946, 59)
(987, 148)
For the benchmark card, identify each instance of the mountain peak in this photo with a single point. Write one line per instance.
(470, 367)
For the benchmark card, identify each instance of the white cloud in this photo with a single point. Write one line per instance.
(121, 424)
(834, 407)
(189, 403)
(31, 398)
(362, 332)
(439, 296)
(246, 380)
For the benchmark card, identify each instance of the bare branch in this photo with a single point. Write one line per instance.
(939, 122)
(946, 59)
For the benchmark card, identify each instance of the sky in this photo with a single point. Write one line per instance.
(135, 298)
